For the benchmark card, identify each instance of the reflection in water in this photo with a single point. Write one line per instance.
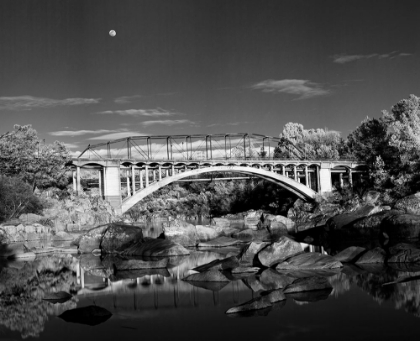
(149, 292)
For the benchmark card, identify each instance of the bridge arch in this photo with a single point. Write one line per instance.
(293, 186)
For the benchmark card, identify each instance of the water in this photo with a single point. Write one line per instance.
(161, 306)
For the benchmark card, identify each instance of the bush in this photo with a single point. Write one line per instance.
(16, 198)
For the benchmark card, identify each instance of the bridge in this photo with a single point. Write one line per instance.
(131, 168)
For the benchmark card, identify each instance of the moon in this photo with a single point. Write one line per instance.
(112, 33)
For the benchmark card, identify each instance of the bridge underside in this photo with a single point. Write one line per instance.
(293, 186)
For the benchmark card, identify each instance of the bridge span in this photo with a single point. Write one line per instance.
(129, 169)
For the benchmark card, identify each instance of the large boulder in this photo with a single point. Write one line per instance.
(247, 255)
(119, 236)
(377, 255)
(270, 279)
(279, 251)
(220, 242)
(180, 232)
(228, 263)
(91, 240)
(248, 235)
(401, 226)
(341, 221)
(349, 254)
(29, 218)
(151, 247)
(220, 223)
(404, 253)
(410, 204)
(289, 223)
(309, 261)
(316, 221)
(205, 233)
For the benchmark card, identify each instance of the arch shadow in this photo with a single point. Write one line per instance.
(291, 185)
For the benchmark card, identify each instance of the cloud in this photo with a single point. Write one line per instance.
(30, 102)
(127, 99)
(227, 124)
(168, 122)
(347, 58)
(117, 135)
(71, 145)
(80, 132)
(139, 112)
(303, 88)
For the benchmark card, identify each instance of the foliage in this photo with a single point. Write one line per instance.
(192, 200)
(40, 165)
(390, 146)
(17, 197)
(312, 144)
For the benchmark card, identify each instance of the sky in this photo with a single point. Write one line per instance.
(202, 66)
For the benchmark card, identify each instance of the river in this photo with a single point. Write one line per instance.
(158, 305)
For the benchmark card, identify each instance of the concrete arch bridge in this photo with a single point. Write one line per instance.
(126, 179)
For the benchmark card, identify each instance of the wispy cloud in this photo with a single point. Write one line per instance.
(168, 122)
(127, 99)
(30, 102)
(139, 112)
(71, 145)
(80, 132)
(347, 58)
(117, 135)
(227, 124)
(300, 87)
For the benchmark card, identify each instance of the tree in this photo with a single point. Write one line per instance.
(40, 165)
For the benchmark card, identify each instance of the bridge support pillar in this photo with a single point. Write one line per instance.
(127, 174)
(78, 186)
(141, 178)
(350, 178)
(113, 186)
(325, 178)
(160, 173)
(74, 181)
(295, 173)
(133, 180)
(307, 182)
(146, 177)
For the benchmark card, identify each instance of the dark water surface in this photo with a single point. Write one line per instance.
(160, 306)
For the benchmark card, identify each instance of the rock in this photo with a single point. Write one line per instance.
(219, 264)
(409, 204)
(309, 261)
(349, 254)
(257, 303)
(340, 221)
(118, 237)
(91, 239)
(290, 224)
(308, 284)
(62, 236)
(270, 279)
(377, 255)
(151, 247)
(180, 232)
(207, 276)
(30, 218)
(247, 255)
(401, 226)
(277, 229)
(245, 270)
(220, 222)
(205, 233)
(328, 209)
(404, 253)
(279, 251)
(316, 221)
(228, 231)
(59, 226)
(219, 242)
(252, 235)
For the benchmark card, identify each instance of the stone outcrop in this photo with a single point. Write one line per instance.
(220, 242)
(341, 221)
(180, 232)
(247, 255)
(402, 226)
(248, 235)
(205, 233)
(409, 205)
(349, 254)
(309, 261)
(91, 240)
(404, 253)
(117, 237)
(278, 251)
(377, 255)
(228, 263)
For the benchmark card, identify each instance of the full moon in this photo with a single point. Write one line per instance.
(112, 33)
